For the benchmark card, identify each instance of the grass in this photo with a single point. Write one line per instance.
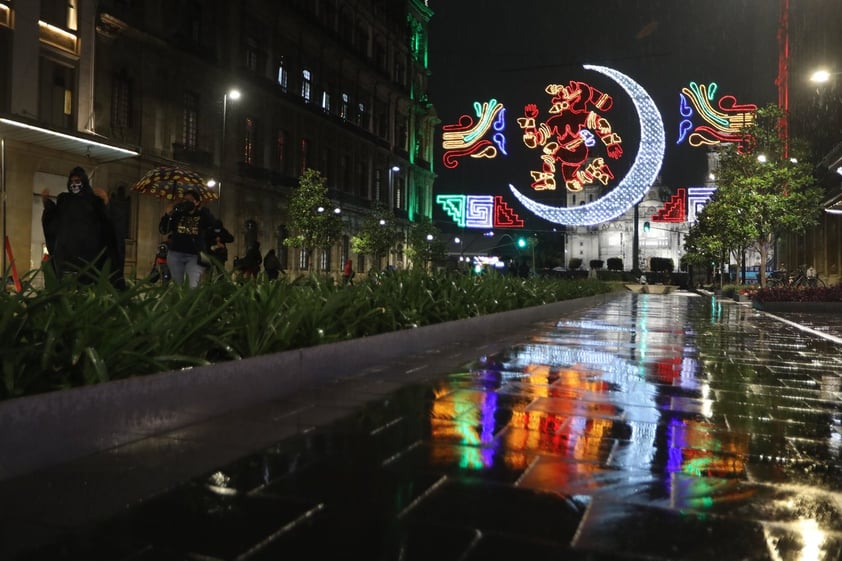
(68, 335)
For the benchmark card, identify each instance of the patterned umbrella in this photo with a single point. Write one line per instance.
(169, 182)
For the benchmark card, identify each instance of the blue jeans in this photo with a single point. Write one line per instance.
(182, 264)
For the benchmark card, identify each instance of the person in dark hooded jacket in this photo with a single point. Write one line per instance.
(79, 233)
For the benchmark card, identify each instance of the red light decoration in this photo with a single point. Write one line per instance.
(674, 210)
(565, 137)
(504, 216)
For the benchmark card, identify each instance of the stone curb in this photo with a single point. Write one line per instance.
(45, 429)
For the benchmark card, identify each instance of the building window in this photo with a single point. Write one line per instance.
(380, 195)
(121, 102)
(56, 88)
(61, 13)
(251, 54)
(343, 107)
(249, 147)
(362, 181)
(304, 156)
(362, 117)
(306, 84)
(344, 173)
(324, 265)
(283, 75)
(345, 249)
(190, 121)
(326, 101)
(303, 259)
(281, 150)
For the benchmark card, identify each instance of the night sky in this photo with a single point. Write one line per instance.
(510, 50)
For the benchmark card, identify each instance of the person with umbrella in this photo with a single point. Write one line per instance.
(187, 224)
(80, 236)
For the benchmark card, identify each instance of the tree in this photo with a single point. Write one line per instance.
(313, 222)
(425, 243)
(378, 235)
(762, 193)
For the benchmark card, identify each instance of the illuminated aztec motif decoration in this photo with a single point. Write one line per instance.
(726, 123)
(673, 210)
(468, 137)
(697, 198)
(640, 177)
(566, 136)
(479, 211)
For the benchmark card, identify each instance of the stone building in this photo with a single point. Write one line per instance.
(122, 86)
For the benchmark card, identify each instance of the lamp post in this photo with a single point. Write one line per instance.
(233, 95)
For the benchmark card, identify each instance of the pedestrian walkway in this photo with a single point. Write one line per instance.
(648, 427)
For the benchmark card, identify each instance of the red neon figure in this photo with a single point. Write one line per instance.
(562, 138)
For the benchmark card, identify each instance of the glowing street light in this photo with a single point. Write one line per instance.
(820, 76)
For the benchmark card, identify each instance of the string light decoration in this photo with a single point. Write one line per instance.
(674, 210)
(479, 211)
(640, 177)
(467, 137)
(725, 124)
(576, 118)
(697, 198)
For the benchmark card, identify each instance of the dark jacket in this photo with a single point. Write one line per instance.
(187, 227)
(79, 232)
(217, 237)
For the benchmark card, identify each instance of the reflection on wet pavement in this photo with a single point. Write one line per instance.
(649, 427)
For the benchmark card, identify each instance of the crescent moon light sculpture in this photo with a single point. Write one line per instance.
(641, 176)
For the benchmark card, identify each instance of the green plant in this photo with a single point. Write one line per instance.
(74, 335)
(614, 264)
(575, 263)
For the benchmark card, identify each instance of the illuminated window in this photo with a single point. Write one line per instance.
(283, 75)
(326, 101)
(121, 103)
(303, 259)
(343, 107)
(190, 121)
(306, 84)
(362, 117)
(324, 262)
(249, 141)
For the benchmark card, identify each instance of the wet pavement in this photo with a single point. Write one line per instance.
(649, 427)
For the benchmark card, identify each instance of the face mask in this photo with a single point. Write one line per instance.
(75, 187)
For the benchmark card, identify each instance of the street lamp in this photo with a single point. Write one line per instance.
(821, 76)
(233, 95)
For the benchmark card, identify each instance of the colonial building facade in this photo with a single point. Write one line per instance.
(122, 86)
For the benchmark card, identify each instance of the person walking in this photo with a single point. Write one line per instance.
(348, 272)
(271, 264)
(217, 240)
(79, 234)
(187, 224)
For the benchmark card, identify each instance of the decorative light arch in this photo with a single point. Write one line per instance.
(640, 177)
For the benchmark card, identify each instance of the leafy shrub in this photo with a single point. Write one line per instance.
(661, 264)
(596, 263)
(792, 294)
(575, 263)
(72, 336)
